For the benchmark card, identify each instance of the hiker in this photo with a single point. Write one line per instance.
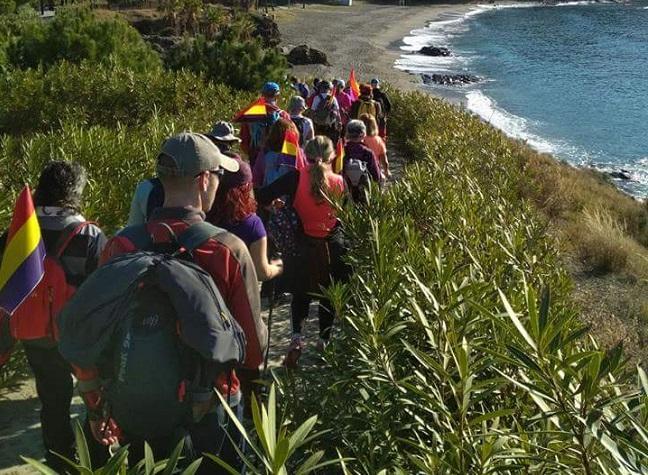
(360, 163)
(319, 260)
(376, 144)
(253, 134)
(304, 125)
(313, 92)
(234, 209)
(365, 104)
(223, 135)
(325, 112)
(272, 162)
(67, 234)
(149, 194)
(380, 96)
(299, 87)
(123, 410)
(343, 97)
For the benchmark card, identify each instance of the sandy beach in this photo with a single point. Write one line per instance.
(372, 35)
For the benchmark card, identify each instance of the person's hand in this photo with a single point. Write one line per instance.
(106, 432)
(389, 175)
(278, 264)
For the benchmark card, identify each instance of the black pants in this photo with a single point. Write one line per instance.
(313, 271)
(54, 388)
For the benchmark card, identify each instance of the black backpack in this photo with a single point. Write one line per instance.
(161, 332)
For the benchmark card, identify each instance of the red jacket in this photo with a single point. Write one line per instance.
(227, 259)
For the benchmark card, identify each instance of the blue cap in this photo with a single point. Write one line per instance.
(270, 88)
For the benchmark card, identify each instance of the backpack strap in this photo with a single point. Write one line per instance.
(197, 234)
(66, 236)
(137, 234)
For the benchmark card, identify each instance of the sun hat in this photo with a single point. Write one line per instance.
(270, 89)
(189, 154)
(356, 129)
(296, 104)
(223, 132)
(238, 178)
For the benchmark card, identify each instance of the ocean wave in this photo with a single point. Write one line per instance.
(512, 125)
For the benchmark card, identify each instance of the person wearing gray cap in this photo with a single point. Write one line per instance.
(360, 163)
(189, 167)
(304, 125)
(380, 96)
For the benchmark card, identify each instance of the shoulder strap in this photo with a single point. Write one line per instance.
(137, 234)
(68, 233)
(197, 234)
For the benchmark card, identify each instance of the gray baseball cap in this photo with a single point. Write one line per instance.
(189, 154)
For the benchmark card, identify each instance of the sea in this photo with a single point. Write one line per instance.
(571, 79)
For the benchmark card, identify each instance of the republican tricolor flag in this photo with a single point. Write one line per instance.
(338, 164)
(22, 262)
(291, 150)
(258, 110)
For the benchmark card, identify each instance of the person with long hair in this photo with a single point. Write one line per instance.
(271, 162)
(234, 209)
(376, 143)
(321, 248)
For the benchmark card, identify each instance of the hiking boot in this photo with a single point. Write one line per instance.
(294, 352)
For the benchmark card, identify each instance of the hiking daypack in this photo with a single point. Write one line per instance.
(284, 228)
(157, 324)
(356, 172)
(324, 115)
(36, 317)
(368, 107)
(300, 124)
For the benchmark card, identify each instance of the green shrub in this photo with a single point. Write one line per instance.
(106, 95)
(243, 64)
(452, 355)
(75, 34)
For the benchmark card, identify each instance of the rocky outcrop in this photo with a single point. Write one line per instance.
(434, 51)
(621, 175)
(266, 29)
(162, 44)
(449, 79)
(304, 54)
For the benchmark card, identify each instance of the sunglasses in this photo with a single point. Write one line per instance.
(219, 172)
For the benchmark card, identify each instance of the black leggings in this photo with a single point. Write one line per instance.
(299, 308)
(305, 285)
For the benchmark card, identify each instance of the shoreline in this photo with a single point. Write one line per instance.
(371, 49)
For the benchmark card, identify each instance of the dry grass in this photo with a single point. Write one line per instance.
(606, 228)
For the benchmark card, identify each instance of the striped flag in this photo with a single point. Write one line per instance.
(22, 262)
(338, 164)
(353, 85)
(258, 110)
(292, 154)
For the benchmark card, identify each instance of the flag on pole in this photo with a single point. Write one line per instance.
(353, 85)
(338, 164)
(22, 262)
(258, 110)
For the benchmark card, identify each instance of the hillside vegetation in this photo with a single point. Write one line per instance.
(460, 346)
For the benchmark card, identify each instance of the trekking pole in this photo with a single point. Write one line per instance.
(270, 312)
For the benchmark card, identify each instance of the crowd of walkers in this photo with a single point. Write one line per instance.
(165, 316)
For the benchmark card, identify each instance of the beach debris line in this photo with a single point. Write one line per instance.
(449, 79)
(434, 51)
(304, 54)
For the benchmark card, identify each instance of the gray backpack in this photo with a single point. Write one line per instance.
(356, 172)
(157, 324)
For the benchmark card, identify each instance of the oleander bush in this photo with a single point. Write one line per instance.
(458, 349)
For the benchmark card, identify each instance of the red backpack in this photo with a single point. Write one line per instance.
(36, 317)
